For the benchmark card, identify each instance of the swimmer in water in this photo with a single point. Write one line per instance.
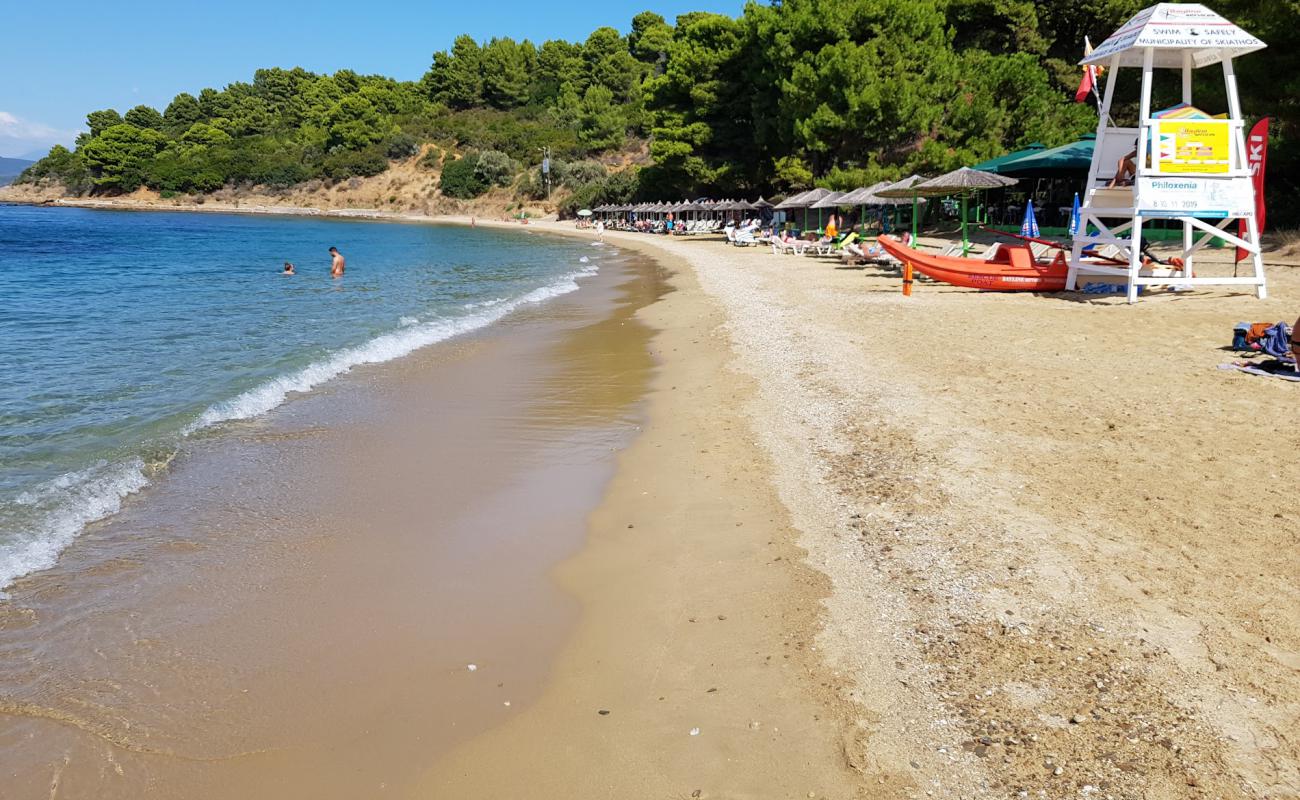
(288, 268)
(336, 267)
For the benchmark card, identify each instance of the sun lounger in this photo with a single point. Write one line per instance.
(798, 246)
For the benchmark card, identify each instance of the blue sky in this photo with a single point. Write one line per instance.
(61, 60)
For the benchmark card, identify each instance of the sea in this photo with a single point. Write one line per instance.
(124, 335)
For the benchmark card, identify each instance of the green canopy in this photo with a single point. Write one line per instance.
(1067, 161)
(994, 164)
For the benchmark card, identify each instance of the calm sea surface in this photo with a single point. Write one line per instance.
(123, 333)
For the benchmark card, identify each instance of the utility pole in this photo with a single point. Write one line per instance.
(546, 171)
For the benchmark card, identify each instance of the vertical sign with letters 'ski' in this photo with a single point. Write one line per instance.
(1256, 160)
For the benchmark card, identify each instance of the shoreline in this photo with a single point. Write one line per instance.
(694, 670)
(252, 565)
(954, 545)
(1009, 602)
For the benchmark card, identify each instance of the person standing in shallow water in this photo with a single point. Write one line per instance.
(336, 268)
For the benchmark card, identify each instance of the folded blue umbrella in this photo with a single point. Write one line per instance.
(1075, 218)
(1030, 226)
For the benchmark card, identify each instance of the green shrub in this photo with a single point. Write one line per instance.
(460, 178)
(62, 165)
(533, 186)
(402, 145)
(617, 188)
(432, 159)
(281, 175)
(496, 168)
(583, 173)
(343, 164)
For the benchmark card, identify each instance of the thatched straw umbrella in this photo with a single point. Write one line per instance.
(805, 201)
(962, 181)
(831, 200)
(902, 190)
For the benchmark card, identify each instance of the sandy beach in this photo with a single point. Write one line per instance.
(452, 402)
(954, 545)
(1052, 546)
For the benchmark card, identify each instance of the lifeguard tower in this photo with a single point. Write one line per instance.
(1189, 166)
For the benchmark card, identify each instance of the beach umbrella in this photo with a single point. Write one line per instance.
(1075, 218)
(961, 182)
(1029, 227)
(1067, 161)
(584, 212)
(792, 201)
(764, 208)
(810, 200)
(852, 198)
(907, 188)
(804, 200)
(866, 197)
(831, 200)
(995, 164)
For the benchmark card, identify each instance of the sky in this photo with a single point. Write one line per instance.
(60, 61)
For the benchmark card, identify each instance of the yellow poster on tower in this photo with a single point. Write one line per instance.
(1193, 147)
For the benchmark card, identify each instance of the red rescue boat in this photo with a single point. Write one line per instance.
(1011, 268)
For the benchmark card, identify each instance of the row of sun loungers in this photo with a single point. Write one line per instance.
(661, 226)
(847, 248)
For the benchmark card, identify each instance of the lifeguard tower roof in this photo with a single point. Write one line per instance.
(1170, 30)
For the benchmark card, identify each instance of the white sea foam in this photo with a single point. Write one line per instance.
(382, 348)
(56, 513)
(64, 506)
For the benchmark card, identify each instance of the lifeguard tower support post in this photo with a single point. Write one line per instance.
(1191, 170)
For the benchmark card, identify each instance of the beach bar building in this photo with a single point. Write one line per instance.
(1189, 167)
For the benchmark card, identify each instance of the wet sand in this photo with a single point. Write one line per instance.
(1058, 546)
(694, 670)
(292, 610)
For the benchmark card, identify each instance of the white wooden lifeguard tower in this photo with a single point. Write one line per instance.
(1191, 170)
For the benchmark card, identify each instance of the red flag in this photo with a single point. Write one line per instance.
(1256, 158)
(1089, 81)
(1085, 86)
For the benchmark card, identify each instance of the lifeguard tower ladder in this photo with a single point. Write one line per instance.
(1188, 169)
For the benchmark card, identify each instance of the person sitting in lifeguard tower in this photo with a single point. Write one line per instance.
(1126, 170)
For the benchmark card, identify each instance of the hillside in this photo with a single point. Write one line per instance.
(408, 186)
(11, 168)
(786, 96)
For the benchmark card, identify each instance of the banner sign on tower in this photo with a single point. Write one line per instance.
(1192, 146)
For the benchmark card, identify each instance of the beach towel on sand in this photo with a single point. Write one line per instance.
(1267, 369)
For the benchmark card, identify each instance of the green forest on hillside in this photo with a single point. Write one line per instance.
(837, 92)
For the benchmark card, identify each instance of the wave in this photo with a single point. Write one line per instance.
(55, 513)
(64, 507)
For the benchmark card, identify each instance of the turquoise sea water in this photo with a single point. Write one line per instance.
(124, 333)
